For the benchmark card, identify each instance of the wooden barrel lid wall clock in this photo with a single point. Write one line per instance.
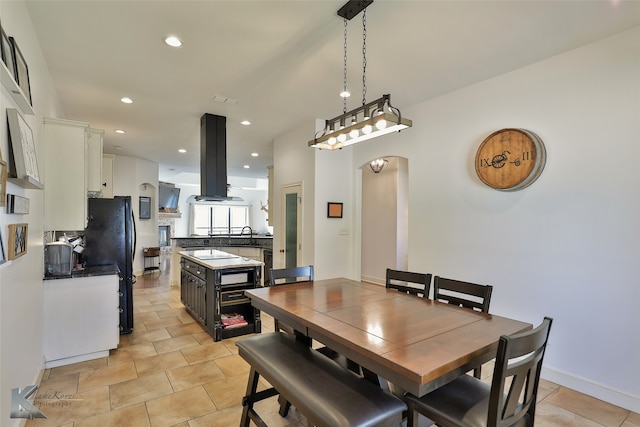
(510, 159)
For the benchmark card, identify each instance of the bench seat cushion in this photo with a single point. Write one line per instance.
(325, 392)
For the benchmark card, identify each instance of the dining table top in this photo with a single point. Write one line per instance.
(416, 343)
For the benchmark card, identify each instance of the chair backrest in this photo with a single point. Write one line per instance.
(518, 364)
(408, 282)
(282, 276)
(463, 294)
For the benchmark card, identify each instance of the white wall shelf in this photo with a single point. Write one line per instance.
(14, 90)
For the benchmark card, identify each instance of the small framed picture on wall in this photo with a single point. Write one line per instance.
(145, 207)
(18, 238)
(334, 210)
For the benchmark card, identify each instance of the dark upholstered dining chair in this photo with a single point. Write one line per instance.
(510, 400)
(409, 282)
(463, 294)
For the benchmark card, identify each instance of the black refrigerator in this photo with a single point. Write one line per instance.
(110, 238)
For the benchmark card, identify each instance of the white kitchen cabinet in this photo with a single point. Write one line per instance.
(94, 161)
(82, 319)
(107, 176)
(65, 194)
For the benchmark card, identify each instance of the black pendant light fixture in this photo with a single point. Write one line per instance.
(368, 121)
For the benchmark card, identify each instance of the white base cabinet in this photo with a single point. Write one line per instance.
(81, 319)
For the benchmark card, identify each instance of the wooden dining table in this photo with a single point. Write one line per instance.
(415, 343)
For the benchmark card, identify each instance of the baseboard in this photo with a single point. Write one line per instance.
(593, 389)
(370, 279)
(75, 359)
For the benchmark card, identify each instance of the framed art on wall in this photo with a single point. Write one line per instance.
(24, 151)
(3, 181)
(7, 53)
(21, 70)
(334, 210)
(145, 207)
(3, 257)
(18, 235)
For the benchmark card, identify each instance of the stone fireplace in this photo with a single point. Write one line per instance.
(166, 229)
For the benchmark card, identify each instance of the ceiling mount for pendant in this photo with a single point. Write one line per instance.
(368, 121)
(352, 8)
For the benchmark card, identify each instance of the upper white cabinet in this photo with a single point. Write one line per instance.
(94, 162)
(65, 195)
(107, 176)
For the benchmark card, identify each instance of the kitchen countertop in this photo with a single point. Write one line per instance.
(215, 259)
(221, 241)
(98, 270)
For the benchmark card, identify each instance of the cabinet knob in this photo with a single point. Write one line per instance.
(104, 184)
(281, 251)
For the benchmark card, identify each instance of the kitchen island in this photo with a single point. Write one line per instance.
(212, 284)
(255, 246)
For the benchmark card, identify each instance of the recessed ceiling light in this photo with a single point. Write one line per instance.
(254, 154)
(182, 150)
(126, 100)
(245, 122)
(119, 131)
(246, 166)
(173, 41)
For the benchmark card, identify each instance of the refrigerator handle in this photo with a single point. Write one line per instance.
(135, 237)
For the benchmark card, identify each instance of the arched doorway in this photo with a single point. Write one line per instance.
(385, 219)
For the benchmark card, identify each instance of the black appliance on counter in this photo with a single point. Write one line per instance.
(110, 238)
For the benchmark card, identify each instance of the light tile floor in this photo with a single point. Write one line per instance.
(169, 372)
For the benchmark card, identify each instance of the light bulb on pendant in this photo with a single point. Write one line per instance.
(367, 129)
(354, 133)
(381, 124)
(332, 140)
(342, 137)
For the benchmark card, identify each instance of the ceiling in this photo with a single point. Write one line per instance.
(283, 63)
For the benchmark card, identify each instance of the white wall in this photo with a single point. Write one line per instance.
(333, 237)
(21, 300)
(130, 174)
(565, 247)
(295, 164)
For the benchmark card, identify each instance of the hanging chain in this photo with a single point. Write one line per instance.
(364, 56)
(344, 98)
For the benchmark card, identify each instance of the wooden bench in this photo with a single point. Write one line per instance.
(327, 394)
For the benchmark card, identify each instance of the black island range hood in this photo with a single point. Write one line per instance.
(213, 160)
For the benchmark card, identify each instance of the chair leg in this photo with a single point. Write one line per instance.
(247, 402)
(285, 405)
(478, 372)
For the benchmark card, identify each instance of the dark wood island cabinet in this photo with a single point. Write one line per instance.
(212, 285)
